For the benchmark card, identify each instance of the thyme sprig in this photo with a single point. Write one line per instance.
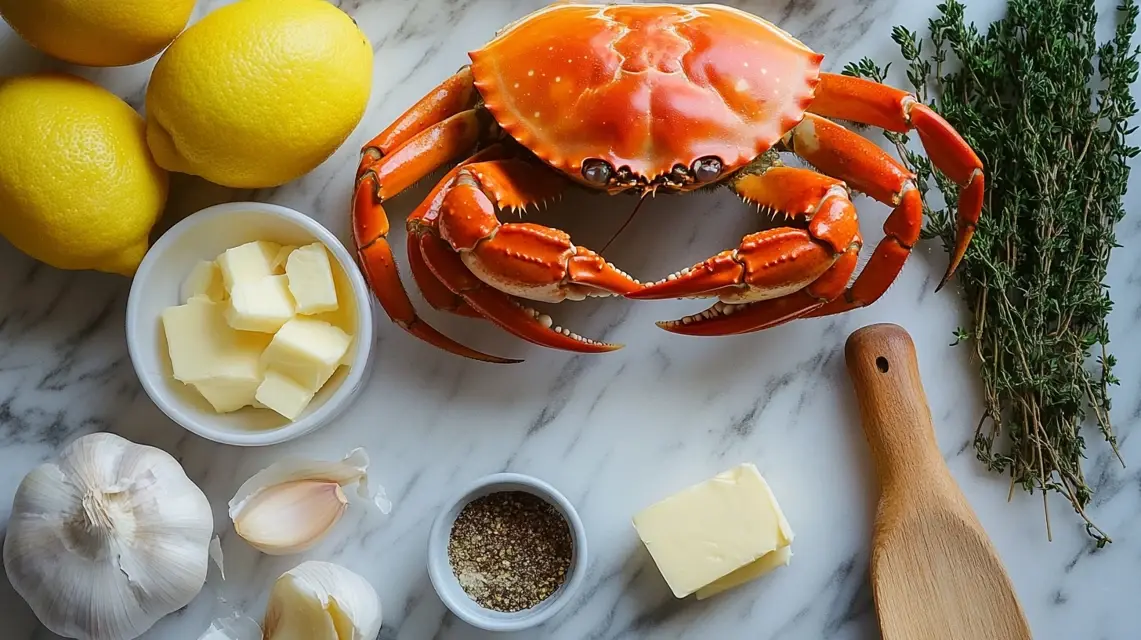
(1047, 109)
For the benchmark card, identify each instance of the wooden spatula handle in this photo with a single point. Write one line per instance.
(896, 418)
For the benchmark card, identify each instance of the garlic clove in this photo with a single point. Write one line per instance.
(290, 517)
(290, 505)
(322, 601)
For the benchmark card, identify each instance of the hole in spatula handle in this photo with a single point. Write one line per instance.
(881, 364)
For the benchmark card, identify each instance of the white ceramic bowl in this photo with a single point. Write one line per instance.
(448, 587)
(157, 285)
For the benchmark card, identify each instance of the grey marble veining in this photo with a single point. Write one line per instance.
(613, 432)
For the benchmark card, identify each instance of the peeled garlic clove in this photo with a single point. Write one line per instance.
(290, 505)
(322, 601)
(291, 517)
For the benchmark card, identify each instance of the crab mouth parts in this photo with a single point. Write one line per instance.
(705, 171)
(642, 184)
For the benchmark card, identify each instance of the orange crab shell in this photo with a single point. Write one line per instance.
(646, 87)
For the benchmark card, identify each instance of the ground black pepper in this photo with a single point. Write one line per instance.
(510, 550)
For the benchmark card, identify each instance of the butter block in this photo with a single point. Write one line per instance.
(282, 255)
(282, 394)
(747, 573)
(311, 279)
(246, 262)
(711, 530)
(203, 347)
(261, 305)
(307, 350)
(205, 279)
(227, 393)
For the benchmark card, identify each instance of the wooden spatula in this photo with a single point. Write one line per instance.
(935, 574)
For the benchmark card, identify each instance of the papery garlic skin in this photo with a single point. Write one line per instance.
(322, 601)
(107, 539)
(291, 505)
(234, 627)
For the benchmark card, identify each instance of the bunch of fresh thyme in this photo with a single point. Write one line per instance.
(1052, 136)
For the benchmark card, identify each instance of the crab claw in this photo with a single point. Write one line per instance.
(768, 264)
(722, 271)
(523, 259)
(498, 307)
(727, 319)
(590, 271)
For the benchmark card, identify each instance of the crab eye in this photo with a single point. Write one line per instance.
(597, 171)
(707, 169)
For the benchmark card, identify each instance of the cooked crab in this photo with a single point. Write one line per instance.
(633, 98)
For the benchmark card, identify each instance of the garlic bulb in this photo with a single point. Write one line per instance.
(290, 505)
(107, 539)
(322, 601)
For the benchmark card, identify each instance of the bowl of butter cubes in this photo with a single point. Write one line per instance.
(249, 324)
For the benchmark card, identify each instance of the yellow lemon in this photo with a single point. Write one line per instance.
(98, 33)
(78, 187)
(259, 92)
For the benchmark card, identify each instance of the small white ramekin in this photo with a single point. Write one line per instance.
(448, 587)
(157, 284)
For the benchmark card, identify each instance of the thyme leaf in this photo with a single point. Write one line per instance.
(1047, 109)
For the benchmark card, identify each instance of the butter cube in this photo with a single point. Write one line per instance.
(228, 394)
(203, 347)
(250, 261)
(205, 279)
(283, 395)
(281, 257)
(307, 350)
(311, 279)
(261, 305)
(701, 537)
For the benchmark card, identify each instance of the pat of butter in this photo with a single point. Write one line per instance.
(204, 348)
(747, 573)
(227, 393)
(710, 531)
(250, 261)
(205, 279)
(261, 305)
(283, 395)
(307, 350)
(311, 279)
(278, 264)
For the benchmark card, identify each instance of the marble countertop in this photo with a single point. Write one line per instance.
(613, 432)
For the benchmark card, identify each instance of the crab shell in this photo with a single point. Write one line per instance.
(646, 87)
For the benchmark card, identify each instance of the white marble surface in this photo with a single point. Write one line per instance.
(613, 432)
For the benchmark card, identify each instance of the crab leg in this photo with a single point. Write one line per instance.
(484, 260)
(381, 177)
(866, 167)
(860, 100)
(450, 97)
